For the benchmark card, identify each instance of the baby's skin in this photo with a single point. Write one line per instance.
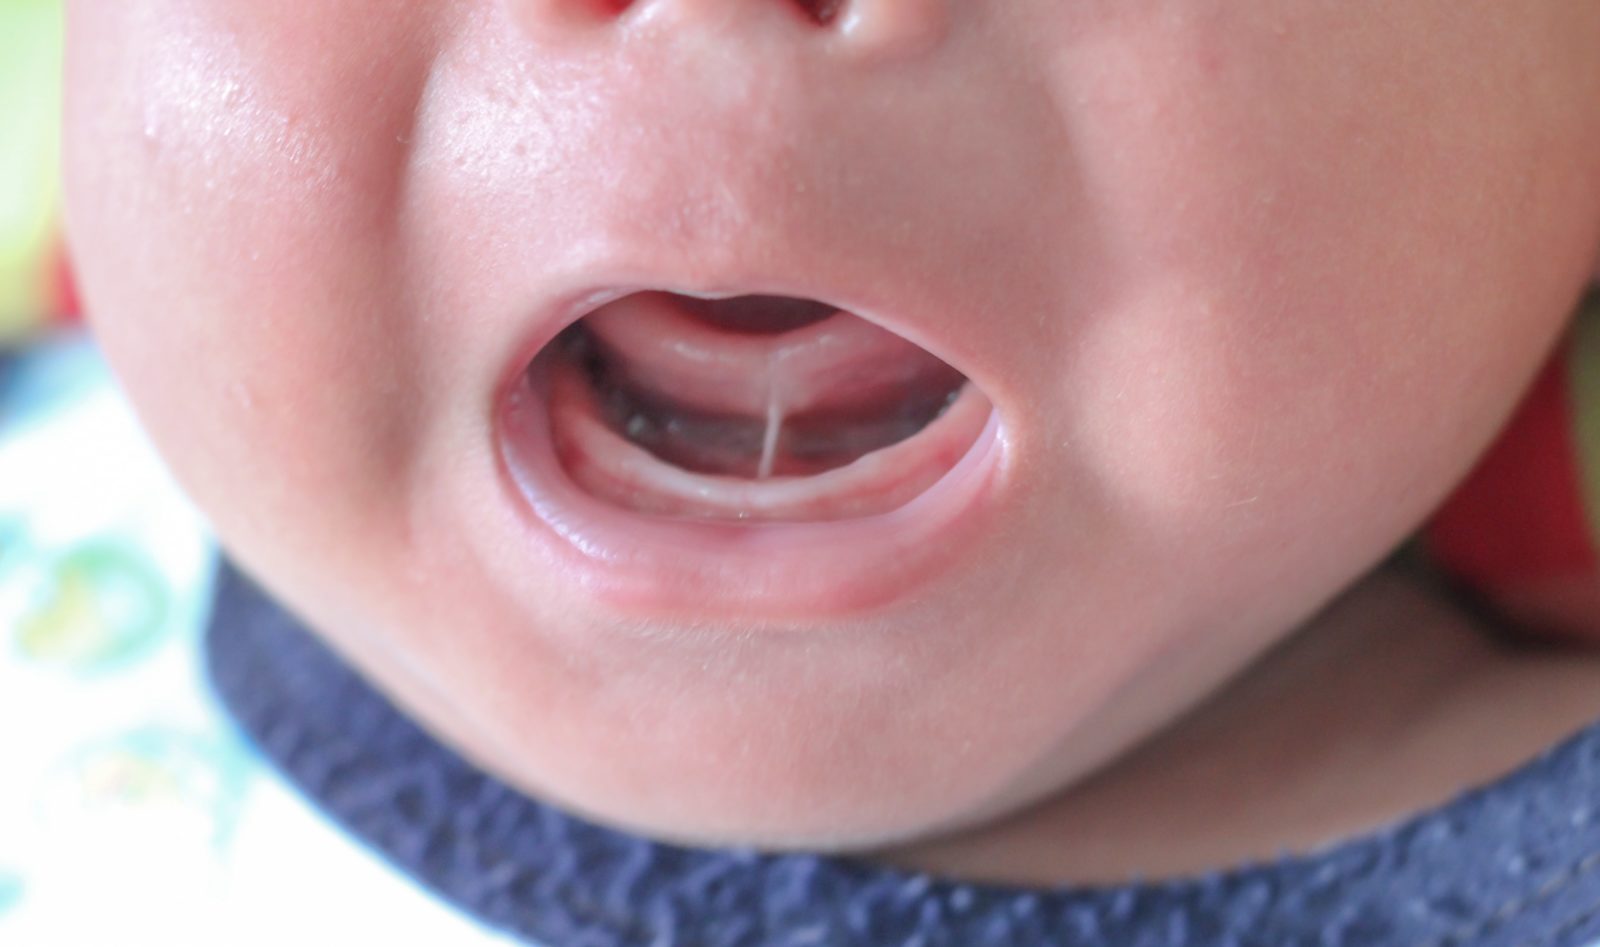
(1238, 289)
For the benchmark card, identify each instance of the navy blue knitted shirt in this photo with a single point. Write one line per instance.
(1515, 863)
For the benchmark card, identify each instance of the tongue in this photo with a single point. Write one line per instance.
(756, 408)
(757, 355)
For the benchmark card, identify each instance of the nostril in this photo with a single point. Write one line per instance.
(555, 19)
(823, 11)
(570, 13)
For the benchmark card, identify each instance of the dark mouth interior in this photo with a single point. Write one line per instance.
(759, 315)
(736, 444)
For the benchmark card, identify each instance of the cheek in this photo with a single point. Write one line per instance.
(1321, 314)
(227, 219)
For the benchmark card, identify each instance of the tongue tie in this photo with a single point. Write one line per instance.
(769, 441)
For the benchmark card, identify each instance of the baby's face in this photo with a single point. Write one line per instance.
(1239, 289)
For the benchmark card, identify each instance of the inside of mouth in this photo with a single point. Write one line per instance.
(753, 390)
(756, 447)
(757, 315)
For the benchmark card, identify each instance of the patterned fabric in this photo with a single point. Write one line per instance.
(132, 810)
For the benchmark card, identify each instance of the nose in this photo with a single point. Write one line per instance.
(866, 27)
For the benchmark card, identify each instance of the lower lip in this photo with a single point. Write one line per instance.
(663, 567)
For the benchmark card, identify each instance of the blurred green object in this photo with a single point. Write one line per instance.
(30, 129)
(106, 605)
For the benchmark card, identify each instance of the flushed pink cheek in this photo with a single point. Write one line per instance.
(250, 205)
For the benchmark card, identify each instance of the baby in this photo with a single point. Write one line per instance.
(931, 431)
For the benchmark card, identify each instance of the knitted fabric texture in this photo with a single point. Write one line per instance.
(1515, 863)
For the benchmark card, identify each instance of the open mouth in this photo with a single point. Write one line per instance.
(750, 409)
